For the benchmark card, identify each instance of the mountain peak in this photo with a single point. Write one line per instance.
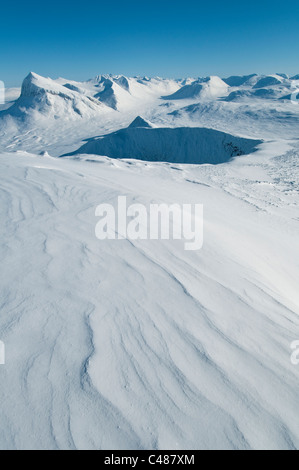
(140, 122)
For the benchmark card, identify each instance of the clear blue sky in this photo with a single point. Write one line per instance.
(166, 38)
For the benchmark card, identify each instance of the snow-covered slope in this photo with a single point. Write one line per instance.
(211, 87)
(10, 96)
(247, 117)
(44, 98)
(178, 145)
(116, 344)
(269, 81)
(108, 103)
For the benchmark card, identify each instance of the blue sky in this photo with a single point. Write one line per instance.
(165, 38)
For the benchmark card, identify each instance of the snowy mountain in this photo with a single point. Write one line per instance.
(178, 145)
(45, 97)
(211, 87)
(269, 81)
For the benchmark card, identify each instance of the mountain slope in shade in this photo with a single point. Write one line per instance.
(96, 331)
(178, 145)
(238, 80)
(141, 344)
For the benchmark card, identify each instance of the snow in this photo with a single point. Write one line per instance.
(237, 80)
(44, 98)
(122, 344)
(177, 145)
(10, 96)
(268, 81)
(140, 122)
(210, 87)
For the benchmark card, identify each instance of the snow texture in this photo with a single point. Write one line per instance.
(122, 344)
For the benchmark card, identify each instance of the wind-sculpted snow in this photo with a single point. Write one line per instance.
(120, 344)
(179, 145)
